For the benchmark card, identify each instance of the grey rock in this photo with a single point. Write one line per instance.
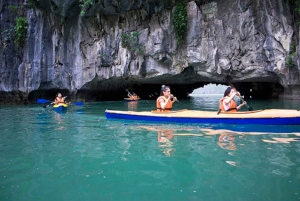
(248, 41)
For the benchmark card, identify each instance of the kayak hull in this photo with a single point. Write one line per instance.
(60, 107)
(267, 117)
(130, 99)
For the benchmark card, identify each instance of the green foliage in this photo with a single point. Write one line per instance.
(289, 61)
(293, 49)
(20, 31)
(31, 3)
(84, 4)
(6, 34)
(179, 20)
(13, 8)
(131, 42)
(294, 6)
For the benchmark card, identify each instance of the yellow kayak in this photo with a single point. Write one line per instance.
(60, 106)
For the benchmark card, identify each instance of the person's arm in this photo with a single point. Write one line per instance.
(241, 105)
(163, 103)
(173, 98)
(159, 136)
(229, 98)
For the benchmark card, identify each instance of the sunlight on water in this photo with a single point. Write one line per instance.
(79, 155)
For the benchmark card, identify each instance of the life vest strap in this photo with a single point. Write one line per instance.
(168, 109)
(231, 109)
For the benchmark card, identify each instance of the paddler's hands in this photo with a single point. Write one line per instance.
(173, 97)
(235, 93)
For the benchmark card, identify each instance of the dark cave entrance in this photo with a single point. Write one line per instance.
(257, 90)
(117, 89)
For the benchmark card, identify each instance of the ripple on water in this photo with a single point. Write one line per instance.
(41, 169)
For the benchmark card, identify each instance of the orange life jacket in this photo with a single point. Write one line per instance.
(59, 100)
(168, 106)
(232, 106)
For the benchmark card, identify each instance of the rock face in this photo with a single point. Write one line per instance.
(247, 42)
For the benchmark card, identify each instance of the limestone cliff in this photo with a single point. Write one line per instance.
(240, 41)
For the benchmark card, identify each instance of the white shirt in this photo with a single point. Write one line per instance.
(226, 106)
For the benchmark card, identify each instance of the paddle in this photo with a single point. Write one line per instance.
(129, 94)
(43, 101)
(47, 101)
(48, 105)
(176, 99)
(132, 96)
(242, 99)
(78, 103)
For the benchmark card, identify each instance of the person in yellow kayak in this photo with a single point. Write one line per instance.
(59, 99)
(135, 97)
(165, 101)
(227, 103)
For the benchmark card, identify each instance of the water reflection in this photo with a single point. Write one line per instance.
(225, 139)
(211, 102)
(282, 140)
(60, 122)
(164, 138)
(79, 111)
(106, 156)
(226, 142)
(205, 101)
(132, 105)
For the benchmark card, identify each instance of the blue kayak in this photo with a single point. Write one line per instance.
(266, 117)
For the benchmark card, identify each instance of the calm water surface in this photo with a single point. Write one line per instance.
(79, 155)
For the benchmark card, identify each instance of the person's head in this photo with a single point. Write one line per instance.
(227, 91)
(59, 95)
(165, 90)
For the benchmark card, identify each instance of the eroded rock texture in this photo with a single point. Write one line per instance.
(226, 41)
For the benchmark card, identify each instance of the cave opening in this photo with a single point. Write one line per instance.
(113, 91)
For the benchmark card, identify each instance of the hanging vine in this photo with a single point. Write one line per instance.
(179, 20)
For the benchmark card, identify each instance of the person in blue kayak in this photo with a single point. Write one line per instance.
(165, 101)
(227, 103)
(59, 99)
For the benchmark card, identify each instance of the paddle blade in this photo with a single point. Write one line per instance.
(78, 103)
(250, 108)
(42, 101)
(45, 106)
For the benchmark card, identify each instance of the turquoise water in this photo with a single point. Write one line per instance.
(79, 155)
